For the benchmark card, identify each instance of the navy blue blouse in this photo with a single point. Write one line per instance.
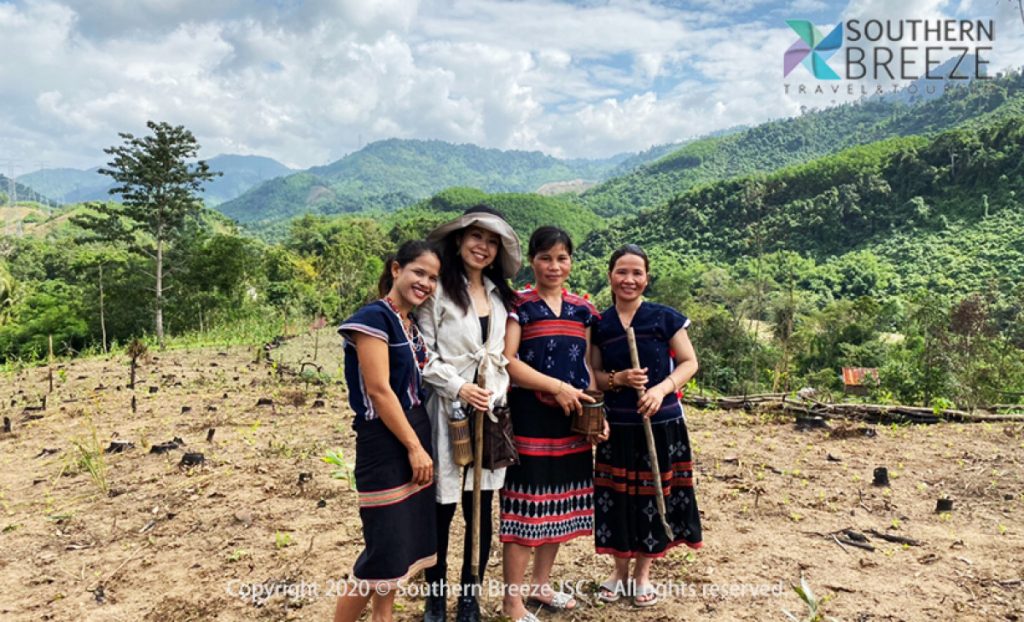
(555, 345)
(653, 325)
(378, 320)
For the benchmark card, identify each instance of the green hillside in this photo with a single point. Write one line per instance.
(394, 173)
(240, 173)
(68, 185)
(525, 212)
(902, 198)
(785, 142)
(22, 192)
(904, 251)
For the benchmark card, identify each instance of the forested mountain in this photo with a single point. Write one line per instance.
(524, 211)
(656, 152)
(393, 173)
(241, 172)
(777, 144)
(902, 198)
(22, 192)
(70, 185)
(879, 235)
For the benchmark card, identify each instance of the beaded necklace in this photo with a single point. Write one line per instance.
(417, 345)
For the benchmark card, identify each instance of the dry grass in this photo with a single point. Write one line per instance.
(173, 541)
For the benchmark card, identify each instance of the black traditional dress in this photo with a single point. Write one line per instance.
(397, 514)
(626, 514)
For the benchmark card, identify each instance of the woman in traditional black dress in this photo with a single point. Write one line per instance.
(547, 497)
(384, 356)
(627, 524)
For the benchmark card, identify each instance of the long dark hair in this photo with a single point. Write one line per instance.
(622, 251)
(628, 249)
(545, 238)
(407, 253)
(453, 271)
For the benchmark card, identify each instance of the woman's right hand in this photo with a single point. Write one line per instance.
(474, 396)
(570, 398)
(422, 465)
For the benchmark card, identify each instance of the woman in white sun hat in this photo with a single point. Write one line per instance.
(464, 327)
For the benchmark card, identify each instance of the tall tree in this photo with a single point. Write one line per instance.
(158, 178)
(8, 294)
(104, 243)
(96, 258)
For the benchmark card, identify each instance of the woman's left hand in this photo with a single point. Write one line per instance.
(650, 401)
(633, 378)
(571, 399)
(602, 437)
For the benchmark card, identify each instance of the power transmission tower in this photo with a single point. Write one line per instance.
(12, 193)
(13, 183)
(44, 199)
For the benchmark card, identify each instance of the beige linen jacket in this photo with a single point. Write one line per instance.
(456, 353)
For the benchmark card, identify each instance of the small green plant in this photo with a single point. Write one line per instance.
(282, 539)
(238, 555)
(345, 470)
(278, 448)
(313, 376)
(89, 458)
(940, 404)
(814, 604)
(249, 435)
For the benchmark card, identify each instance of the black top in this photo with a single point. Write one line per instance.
(485, 324)
(654, 325)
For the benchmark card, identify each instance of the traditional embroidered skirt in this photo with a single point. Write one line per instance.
(397, 515)
(548, 496)
(626, 513)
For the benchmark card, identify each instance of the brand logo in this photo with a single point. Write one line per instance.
(869, 56)
(812, 50)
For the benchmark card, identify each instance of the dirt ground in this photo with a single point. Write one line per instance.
(262, 513)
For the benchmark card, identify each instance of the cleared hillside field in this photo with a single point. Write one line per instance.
(263, 514)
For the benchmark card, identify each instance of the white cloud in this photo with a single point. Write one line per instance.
(307, 82)
(803, 7)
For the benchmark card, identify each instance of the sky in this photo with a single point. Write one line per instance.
(309, 81)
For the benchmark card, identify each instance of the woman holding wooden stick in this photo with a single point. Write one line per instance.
(627, 521)
(464, 327)
(547, 498)
(394, 472)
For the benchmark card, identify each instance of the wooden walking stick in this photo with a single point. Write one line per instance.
(478, 466)
(478, 460)
(652, 453)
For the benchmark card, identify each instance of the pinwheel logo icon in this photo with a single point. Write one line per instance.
(812, 50)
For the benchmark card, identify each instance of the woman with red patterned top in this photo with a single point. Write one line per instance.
(548, 497)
